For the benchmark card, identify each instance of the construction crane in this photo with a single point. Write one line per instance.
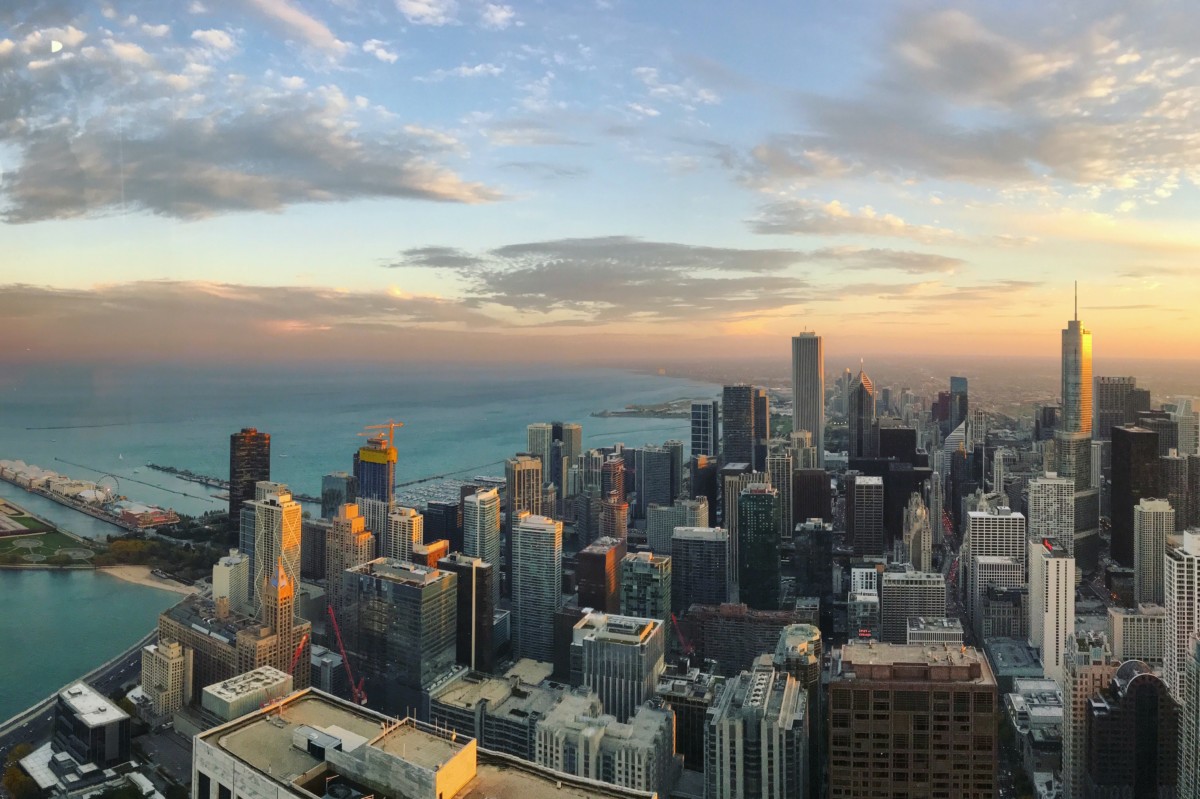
(357, 694)
(296, 654)
(688, 649)
(390, 425)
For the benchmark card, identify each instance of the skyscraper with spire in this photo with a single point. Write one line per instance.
(1073, 438)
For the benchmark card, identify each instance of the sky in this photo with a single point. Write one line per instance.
(608, 180)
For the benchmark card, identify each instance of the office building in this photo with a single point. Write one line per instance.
(1132, 736)
(249, 463)
(577, 737)
(402, 626)
(337, 489)
(598, 574)
(619, 658)
(779, 472)
(675, 449)
(733, 635)
(808, 390)
(757, 735)
(245, 693)
(277, 520)
(936, 631)
(1153, 521)
(1088, 667)
(762, 428)
(1138, 634)
(1114, 404)
(813, 547)
(89, 728)
(812, 495)
(313, 534)
(699, 567)
(481, 532)
(614, 517)
(646, 586)
(328, 671)
(330, 742)
(705, 435)
(1073, 436)
(661, 521)
(429, 554)
(689, 692)
(348, 544)
(705, 484)
(1135, 476)
(864, 514)
(997, 532)
(860, 417)
(862, 616)
(918, 535)
(539, 437)
(991, 597)
(759, 546)
(612, 477)
(231, 583)
(959, 404)
(1052, 509)
(652, 478)
(798, 653)
(738, 424)
(1173, 484)
(1181, 598)
(501, 713)
(1160, 422)
(1189, 724)
(405, 531)
(475, 610)
(536, 586)
(909, 690)
(166, 677)
(905, 594)
(444, 519)
(1051, 602)
(523, 486)
(375, 471)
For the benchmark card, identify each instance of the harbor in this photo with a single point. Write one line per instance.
(99, 499)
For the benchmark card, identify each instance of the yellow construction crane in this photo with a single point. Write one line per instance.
(390, 425)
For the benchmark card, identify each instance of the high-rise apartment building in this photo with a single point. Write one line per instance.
(166, 676)
(905, 594)
(403, 625)
(476, 609)
(375, 469)
(738, 424)
(1135, 476)
(756, 737)
(620, 658)
(1138, 634)
(612, 477)
(759, 546)
(909, 690)
(405, 531)
(614, 517)
(705, 435)
(539, 438)
(808, 390)
(1113, 406)
(598, 574)
(1052, 509)
(1132, 736)
(523, 487)
(337, 489)
(864, 514)
(1173, 482)
(652, 478)
(536, 586)
(1189, 724)
(861, 417)
(646, 586)
(1181, 598)
(231, 582)
(348, 543)
(994, 534)
(481, 532)
(1088, 666)
(1051, 603)
(1153, 521)
(249, 463)
(699, 567)
(661, 521)
(276, 535)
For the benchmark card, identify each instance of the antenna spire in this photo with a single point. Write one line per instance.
(1076, 300)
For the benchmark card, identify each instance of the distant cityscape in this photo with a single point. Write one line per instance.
(845, 589)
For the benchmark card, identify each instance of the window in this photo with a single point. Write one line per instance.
(203, 785)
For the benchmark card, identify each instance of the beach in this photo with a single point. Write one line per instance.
(142, 576)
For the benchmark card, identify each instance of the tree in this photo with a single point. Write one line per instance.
(17, 784)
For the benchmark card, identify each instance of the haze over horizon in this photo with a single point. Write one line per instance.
(463, 180)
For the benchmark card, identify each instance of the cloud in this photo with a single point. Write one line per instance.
(808, 217)
(440, 257)
(216, 39)
(546, 170)
(379, 49)
(642, 110)
(428, 12)
(496, 16)
(295, 22)
(685, 93)
(874, 258)
(526, 132)
(130, 53)
(463, 71)
(156, 31)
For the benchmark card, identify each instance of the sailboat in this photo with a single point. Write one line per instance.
(120, 456)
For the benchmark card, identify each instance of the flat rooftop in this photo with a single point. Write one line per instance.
(418, 747)
(92, 707)
(248, 682)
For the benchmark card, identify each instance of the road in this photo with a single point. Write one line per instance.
(35, 725)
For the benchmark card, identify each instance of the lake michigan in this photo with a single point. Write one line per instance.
(89, 420)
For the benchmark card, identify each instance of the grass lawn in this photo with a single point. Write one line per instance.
(48, 544)
(30, 523)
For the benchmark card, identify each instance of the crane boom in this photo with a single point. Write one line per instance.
(357, 694)
(390, 425)
(296, 654)
(688, 649)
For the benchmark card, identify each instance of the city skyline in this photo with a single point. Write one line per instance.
(407, 180)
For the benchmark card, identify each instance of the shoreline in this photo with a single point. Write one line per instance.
(141, 575)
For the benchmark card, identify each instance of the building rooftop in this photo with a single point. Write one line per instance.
(402, 572)
(1012, 657)
(247, 683)
(904, 662)
(701, 533)
(917, 623)
(201, 615)
(90, 706)
(609, 627)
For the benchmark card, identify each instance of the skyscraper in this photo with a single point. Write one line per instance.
(249, 463)
(918, 535)
(1051, 603)
(1113, 406)
(779, 470)
(598, 574)
(348, 543)
(959, 405)
(614, 517)
(276, 537)
(337, 489)
(523, 479)
(808, 390)
(661, 521)
(1173, 485)
(1181, 597)
(861, 417)
(481, 532)
(476, 609)
(653, 478)
(1088, 667)
(762, 428)
(536, 586)
(405, 530)
(1189, 724)
(375, 469)
(1132, 736)
(646, 586)
(1052, 510)
(1073, 437)
(864, 514)
(705, 436)
(1135, 474)
(540, 436)
(612, 477)
(699, 567)
(905, 594)
(620, 659)
(737, 424)
(759, 547)
(998, 533)
(1153, 521)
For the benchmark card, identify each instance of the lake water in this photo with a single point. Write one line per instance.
(113, 420)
